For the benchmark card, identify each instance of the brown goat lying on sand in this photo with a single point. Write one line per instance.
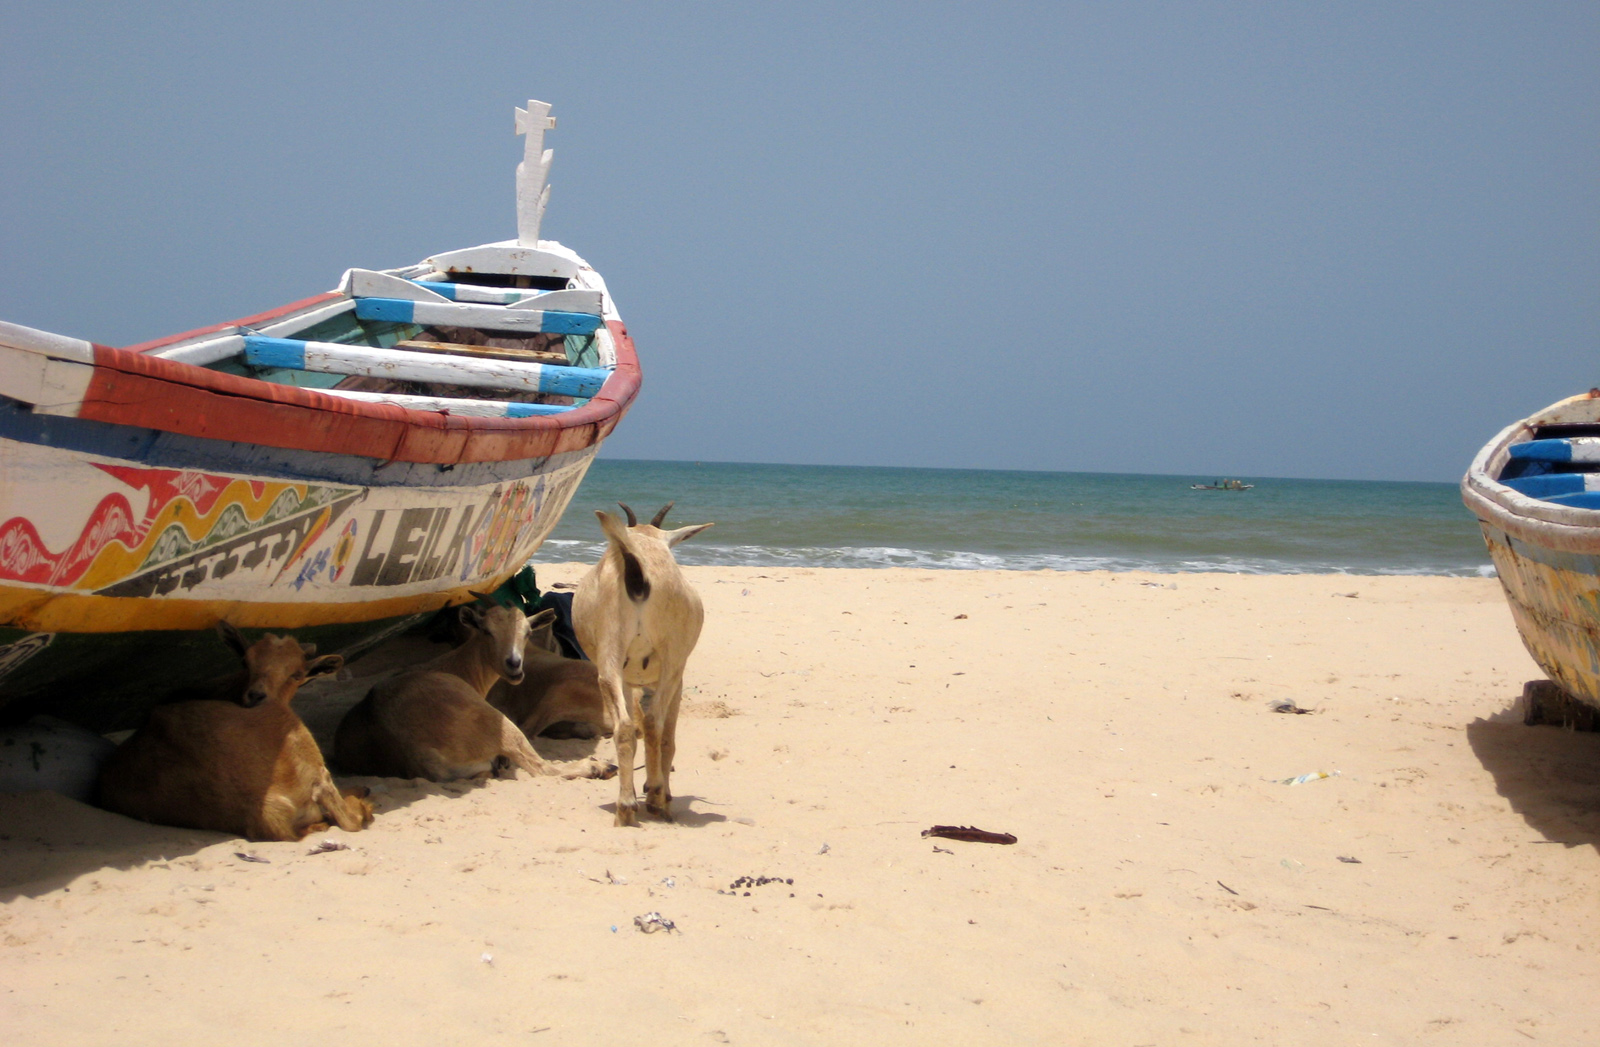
(558, 695)
(247, 766)
(434, 722)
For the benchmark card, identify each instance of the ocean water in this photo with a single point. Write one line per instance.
(844, 516)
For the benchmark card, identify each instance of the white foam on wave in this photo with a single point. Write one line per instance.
(707, 554)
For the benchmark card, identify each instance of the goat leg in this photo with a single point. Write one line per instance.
(616, 695)
(661, 735)
(514, 745)
(349, 811)
(672, 697)
(274, 820)
(627, 798)
(654, 780)
(519, 752)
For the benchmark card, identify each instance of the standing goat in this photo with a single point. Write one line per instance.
(434, 722)
(246, 765)
(638, 619)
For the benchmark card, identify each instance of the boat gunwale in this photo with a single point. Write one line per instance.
(1560, 528)
(130, 386)
(281, 312)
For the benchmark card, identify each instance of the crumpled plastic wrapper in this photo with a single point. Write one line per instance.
(651, 922)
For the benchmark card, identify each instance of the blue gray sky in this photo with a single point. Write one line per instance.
(1337, 240)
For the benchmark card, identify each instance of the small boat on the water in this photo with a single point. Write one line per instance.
(1222, 485)
(337, 467)
(1535, 489)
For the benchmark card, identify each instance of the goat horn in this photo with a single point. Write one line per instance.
(662, 515)
(633, 521)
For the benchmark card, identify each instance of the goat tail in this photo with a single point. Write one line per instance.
(633, 579)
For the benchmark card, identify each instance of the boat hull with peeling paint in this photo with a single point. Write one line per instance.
(1544, 538)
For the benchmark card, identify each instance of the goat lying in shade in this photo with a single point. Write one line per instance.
(434, 722)
(558, 696)
(246, 765)
(638, 619)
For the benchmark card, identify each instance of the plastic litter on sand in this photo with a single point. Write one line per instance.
(651, 922)
(1304, 778)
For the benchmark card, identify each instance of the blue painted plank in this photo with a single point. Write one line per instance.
(1576, 449)
(519, 410)
(1552, 485)
(395, 310)
(1586, 500)
(559, 322)
(261, 351)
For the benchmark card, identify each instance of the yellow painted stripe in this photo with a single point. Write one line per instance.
(57, 612)
(116, 561)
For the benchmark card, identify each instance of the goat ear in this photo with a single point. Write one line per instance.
(328, 663)
(231, 637)
(470, 616)
(542, 618)
(685, 533)
(613, 528)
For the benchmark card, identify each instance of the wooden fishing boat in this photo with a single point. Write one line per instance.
(1535, 489)
(337, 467)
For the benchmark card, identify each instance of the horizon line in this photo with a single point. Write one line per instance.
(601, 456)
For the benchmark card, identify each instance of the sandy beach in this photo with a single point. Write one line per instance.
(1166, 887)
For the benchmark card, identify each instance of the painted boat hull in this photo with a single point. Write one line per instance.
(336, 468)
(1547, 556)
(154, 557)
(155, 497)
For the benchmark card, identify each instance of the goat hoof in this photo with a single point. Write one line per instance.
(605, 771)
(658, 802)
(627, 814)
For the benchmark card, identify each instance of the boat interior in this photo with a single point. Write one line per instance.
(466, 343)
(1560, 463)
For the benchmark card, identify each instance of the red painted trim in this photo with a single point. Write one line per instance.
(132, 388)
(244, 321)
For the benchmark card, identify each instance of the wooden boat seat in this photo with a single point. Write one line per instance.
(473, 314)
(333, 358)
(1551, 486)
(1562, 471)
(1585, 500)
(570, 300)
(1571, 449)
(368, 283)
